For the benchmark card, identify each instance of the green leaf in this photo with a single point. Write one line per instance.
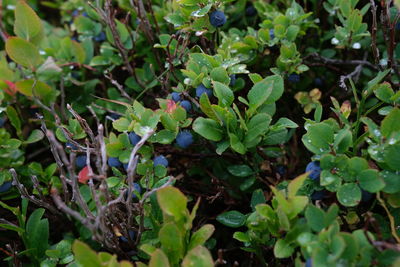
(171, 240)
(36, 88)
(219, 74)
(240, 170)
(201, 236)
(172, 202)
(266, 91)
(384, 92)
(34, 137)
(390, 123)
(315, 218)
(158, 259)
(27, 24)
(257, 198)
(392, 156)
(232, 219)
(392, 182)
(14, 118)
(236, 145)
(199, 256)
(208, 128)
(37, 232)
(349, 195)
(84, 255)
(23, 52)
(282, 249)
(318, 138)
(224, 94)
(296, 184)
(369, 180)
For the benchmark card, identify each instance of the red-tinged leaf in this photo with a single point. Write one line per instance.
(11, 90)
(84, 175)
(171, 106)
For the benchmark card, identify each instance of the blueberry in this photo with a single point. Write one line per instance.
(318, 81)
(75, 75)
(71, 146)
(125, 165)
(365, 196)
(271, 34)
(114, 116)
(136, 190)
(318, 195)
(309, 262)
(75, 38)
(131, 235)
(314, 169)
(251, 11)
(281, 170)
(101, 37)
(184, 139)
(186, 105)
(160, 160)
(233, 80)
(80, 161)
(134, 138)
(85, 14)
(176, 96)
(75, 13)
(114, 162)
(5, 187)
(201, 89)
(398, 26)
(2, 122)
(217, 18)
(294, 78)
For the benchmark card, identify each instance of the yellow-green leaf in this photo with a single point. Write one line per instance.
(23, 52)
(27, 24)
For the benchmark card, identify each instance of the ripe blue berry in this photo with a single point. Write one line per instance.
(131, 235)
(201, 89)
(184, 139)
(160, 160)
(114, 116)
(71, 146)
(176, 96)
(281, 170)
(318, 195)
(398, 26)
(80, 161)
(75, 13)
(365, 196)
(314, 169)
(134, 138)
(136, 190)
(101, 37)
(309, 262)
(114, 162)
(271, 34)
(233, 80)
(318, 81)
(186, 105)
(217, 18)
(125, 165)
(2, 122)
(251, 11)
(294, 78)
(5, 187)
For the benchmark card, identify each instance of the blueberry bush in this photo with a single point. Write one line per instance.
(199, 133)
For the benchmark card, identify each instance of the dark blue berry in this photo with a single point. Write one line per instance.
(186, 105)
(85, 14)
(114, 162)
(271, 34)
(201, 89)
(131, 235)
(318, 195)
(233, 80)
(398, 26)
(217, 18)
(281, 170)
(2, 122)
(184, 139)
(5, 187)
(125, 165)
(80, 161)
(160, 160)
(314, 169)
(136, 190)
(309, 262)
(71, 146)
(294, 78)
(114, 116)
(176, 96)
(365, 196)
(318, 81)
(251, 11)
(101, 37)
(75, 13)
(75, 38)
(134, 138)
